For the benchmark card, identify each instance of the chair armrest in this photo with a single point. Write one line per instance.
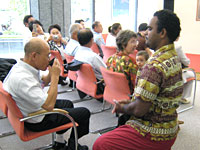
(55, 111)
(44, 112)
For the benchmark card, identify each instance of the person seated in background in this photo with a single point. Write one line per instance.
(121, 61)
(24, 84)
(113, 30)
(153, 124)
(141, 37)
(26, 32)
(81, 21)
(141, 58)
(86, 55)
(185, 61)
(98, 38)
(56, 41)
(73, 44)
(37, 30)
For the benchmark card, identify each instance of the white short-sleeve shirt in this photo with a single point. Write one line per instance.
(24, 84)
(86, 55)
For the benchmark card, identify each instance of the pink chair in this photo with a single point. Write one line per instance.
(86, 81)
(116, 86)
(3, 105)
(58, 56)
(108, 51)
(4, 109)
(95, 48)
(16, 119)
(133, 55)
(105, 37)
(69, 58)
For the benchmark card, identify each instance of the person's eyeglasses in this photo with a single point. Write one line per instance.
(49, 54)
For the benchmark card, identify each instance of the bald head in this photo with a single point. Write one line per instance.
(35, 45)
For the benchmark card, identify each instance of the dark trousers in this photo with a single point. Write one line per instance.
(81, 115)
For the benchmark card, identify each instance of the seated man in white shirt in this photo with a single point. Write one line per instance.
(24, 84)
(73, 44)
(98, 38)
(86, 55)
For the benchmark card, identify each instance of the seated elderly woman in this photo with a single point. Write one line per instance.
(121, 61)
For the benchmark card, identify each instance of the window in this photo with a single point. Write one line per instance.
(82, 9)
(12, 13)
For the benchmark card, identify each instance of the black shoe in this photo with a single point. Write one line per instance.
(71, 145)
(60, 146)
(100, 100)
(80, 147)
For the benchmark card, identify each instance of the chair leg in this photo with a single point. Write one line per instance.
(6, 134)
(50, 146)
(101, 131)
(102, 109)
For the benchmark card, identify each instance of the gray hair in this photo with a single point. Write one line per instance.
(74, 28)
(123, 37)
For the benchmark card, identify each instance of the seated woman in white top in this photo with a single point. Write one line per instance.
(185, 61)
(113, 30)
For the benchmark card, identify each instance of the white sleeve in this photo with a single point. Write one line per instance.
(181, 55)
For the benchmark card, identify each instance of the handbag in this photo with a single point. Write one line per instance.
(74, 65)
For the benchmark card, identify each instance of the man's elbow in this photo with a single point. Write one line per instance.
(48, 107)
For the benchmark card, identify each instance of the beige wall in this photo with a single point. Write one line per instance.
(190, 34)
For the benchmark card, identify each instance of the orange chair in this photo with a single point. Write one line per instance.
(133, 55)
(58, 56)
(95, 48)
(108, 51)
(4, 109)
(105, 37)
(69, 58)
(71, 74)
(86, 81)
(16, 119)
(116, 86)
(3, 105)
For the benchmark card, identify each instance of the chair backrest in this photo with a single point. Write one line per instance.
(68, 58)
(116, 86)
(95, 48)
(86, 81)
(14, 114)
(108, 51)
(59, 57)
(133, 55)
(72, 75)
(3, 105)
(105, 37)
